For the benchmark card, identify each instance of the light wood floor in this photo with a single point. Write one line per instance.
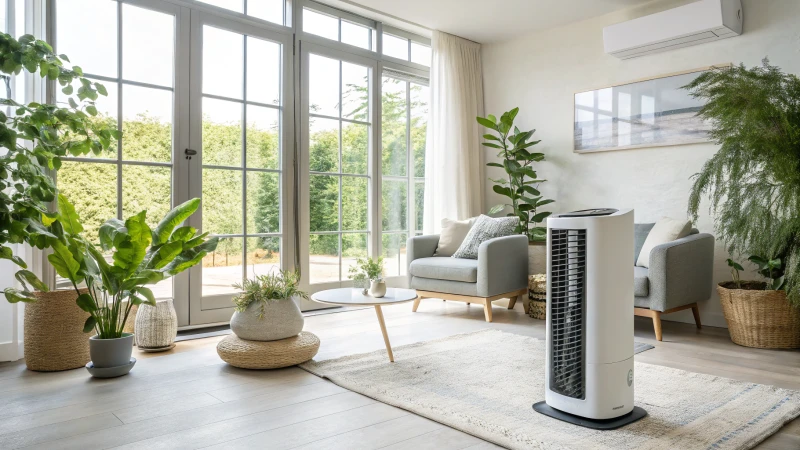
(188, 398)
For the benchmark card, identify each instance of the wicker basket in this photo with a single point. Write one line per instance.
(54, 337)
(537, 295)
(759, 318)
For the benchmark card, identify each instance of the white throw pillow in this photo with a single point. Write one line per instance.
(665, 230)
(452, 235)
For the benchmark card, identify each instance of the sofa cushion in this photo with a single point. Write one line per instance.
(641, 283)
(640, 232)
(452, 235)
(665, 230)
(485, 228)
(443, 268)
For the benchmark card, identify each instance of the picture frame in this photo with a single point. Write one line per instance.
(643, 113)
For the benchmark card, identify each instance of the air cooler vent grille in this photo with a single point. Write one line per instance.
(567, 312)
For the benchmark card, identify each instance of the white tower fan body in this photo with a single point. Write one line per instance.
(589, 361)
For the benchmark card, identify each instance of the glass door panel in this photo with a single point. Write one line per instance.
(237, 129)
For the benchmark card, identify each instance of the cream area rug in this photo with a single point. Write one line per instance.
(484, 384)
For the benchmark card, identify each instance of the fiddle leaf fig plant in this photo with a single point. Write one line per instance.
(131, 256)
(521, 186)
(33, 139)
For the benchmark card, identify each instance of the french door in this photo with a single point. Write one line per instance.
(337, 164)
(237, 163)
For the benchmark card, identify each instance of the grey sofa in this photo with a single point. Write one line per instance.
(679, 276)
(501, 271)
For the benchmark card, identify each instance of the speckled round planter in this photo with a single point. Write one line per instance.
(281, 319)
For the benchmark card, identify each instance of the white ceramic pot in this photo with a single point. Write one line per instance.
(377, 289)
(281, 319)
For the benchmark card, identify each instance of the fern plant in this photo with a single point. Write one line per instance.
(753, 181)
(267, 288)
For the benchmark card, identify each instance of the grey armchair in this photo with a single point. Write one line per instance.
(679, 276)
(501, 271)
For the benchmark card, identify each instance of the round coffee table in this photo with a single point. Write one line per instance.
(354, 297)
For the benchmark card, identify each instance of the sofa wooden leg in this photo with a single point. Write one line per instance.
(657, 324)
(696, 313)
(526, 304)
(512, 302)
(416, 304)
(487, 309)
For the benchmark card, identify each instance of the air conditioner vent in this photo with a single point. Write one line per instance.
(567, 312)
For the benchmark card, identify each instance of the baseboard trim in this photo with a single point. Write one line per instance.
(10, 351)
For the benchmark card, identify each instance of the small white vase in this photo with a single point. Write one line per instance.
(377, 288)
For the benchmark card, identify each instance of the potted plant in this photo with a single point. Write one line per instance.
(369, 271)
(521, 185)
(131, 256)
(265, 309)
(753, 183)
(33, 139)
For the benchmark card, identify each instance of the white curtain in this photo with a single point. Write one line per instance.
(453, 157)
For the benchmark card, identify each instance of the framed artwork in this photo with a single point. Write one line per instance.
(646, 113)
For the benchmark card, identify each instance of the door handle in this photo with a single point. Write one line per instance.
(189, 153)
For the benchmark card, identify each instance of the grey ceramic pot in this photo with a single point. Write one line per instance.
(282, 319)
(111, 352)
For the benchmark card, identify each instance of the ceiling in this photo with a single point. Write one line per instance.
(493, 20)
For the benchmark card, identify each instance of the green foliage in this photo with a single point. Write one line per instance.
(367, 268)
(33, 140)
(771, 269)
(753, 181)
(735, 269)
(139, 257)
(522, 184)
(267, 288)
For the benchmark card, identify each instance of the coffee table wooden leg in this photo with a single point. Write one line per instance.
(383, 330)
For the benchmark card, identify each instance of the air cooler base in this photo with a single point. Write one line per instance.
(602, 424)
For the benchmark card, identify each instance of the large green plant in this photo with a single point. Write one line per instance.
(33, 138)
(753, 181)
(131, 256)
(521, 185)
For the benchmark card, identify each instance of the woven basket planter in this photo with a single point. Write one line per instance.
(54, 337)
(537, 295)
(156, 326)
(759, 318)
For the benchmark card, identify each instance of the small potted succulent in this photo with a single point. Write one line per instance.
(368, 271)
(265, 309)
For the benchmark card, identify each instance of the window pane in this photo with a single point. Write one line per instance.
(223, 62)
(79, 36)
(324, 204)
(92, 188)
(395, 193)
(106, 109)
(394, 254)
(419, 126)
(419, 194)
(323, 258)
(148, 44)
(395, 46)
(222, 201)
(222, 132)
(355, 148)
(263, 202)
(357, 35)
(354, 246)
(146, 124)
(355, 201)
(146, 188)
(420, 54)
(355, 92)
(263, 140)
(233, 5)
(323, 145)
(223, 267)
(263, 71)
(323, 86)
(320, 24)
(394, 127)
(263, 255)
(269, 10)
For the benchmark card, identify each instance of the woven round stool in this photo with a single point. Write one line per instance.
(268, 354)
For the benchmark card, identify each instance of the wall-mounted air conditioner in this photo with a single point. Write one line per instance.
(692, 24)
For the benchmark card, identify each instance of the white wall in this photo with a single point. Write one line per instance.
(541, 72)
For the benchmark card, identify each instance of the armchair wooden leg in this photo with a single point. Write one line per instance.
(487, 309)
(512, 302)
(526, 303)
(657, 324)
(416, 304)
(696, 313)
